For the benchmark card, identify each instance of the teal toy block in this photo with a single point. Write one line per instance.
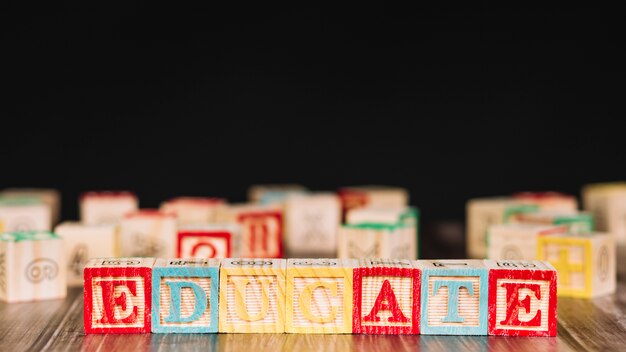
(454, 297)
(185, 295)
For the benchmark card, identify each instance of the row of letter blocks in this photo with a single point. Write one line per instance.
(369, 296)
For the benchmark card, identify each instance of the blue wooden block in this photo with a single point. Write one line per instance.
(454, 297)
(184, 296)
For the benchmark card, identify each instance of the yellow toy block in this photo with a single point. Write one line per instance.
(585, 263)
(252, 296)
(319, 296)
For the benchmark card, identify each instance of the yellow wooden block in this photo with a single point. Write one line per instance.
(252, 296)
(319, 296)
(585, 263)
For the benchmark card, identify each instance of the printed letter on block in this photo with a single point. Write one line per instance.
(386, 297)
(319, 296)
(208, 241)
(454, 297)
(118, 295)
(252, 296)
(522, 298)
(184, 295)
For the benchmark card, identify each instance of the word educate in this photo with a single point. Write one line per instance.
(371, 296)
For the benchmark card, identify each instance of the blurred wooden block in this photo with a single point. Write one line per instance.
(454, 297)
(209, 241)
(522, 298)
(31, 266)
(24, 214)
(518, 241)
(607, 203)
(271, 194)
(49, 196)
(386, 297)
(311, 224)
(118, 295)
(578, 222)
(319, 296)
(372, 196)
(83, 242)
(148, 233)
(261, 228)
(252, 296)
(549, 200)
(106, 207)
(362, 241)
(185, 295)
(586, 264)
(193, 210)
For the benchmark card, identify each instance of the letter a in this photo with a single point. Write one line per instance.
(386, 300)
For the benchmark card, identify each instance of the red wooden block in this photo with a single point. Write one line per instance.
(205, 243)
(522, 298)
(118, 295)
(262, 233)
(386, 297)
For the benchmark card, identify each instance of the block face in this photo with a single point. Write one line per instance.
(252, 296)
(319, 296)
(24, 214)
(517, 241)
(375, 196)
(83, 242)
(207, 242)
(262, 234)
(522, 298)
(148, 233)
(118, 295)
(481, 215)
(386, 297)
(193, 210)
(398, 241)
(454, 297)
(106, 207)
(311, 224)
(185, 296)
(51, 197)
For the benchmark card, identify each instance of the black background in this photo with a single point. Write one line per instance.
(451, 103)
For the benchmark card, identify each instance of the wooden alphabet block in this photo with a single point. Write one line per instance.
(319, 296)
(83, 242)
(31, 266)
(311, 224)
(148, 233)
(261, 228)
(585, 263)
(549, 200)
(522, 298)
(607, 203)
(271, 194)
(376, 215)
(19, 214)
(106, 207)
(185, 295)
(193, 210)
(209, 241)
(386, 297)
(118, 295)
(373, 196)
(518, 241)
(252, 296)
(578, 222)
(361, 241)
(454, 297)
(49, 196)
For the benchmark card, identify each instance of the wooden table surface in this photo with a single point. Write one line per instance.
(594, 325)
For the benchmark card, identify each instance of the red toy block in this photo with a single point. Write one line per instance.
(522, 298)
(386, 297)
(117, 296)
(262, 233)
(206, 243)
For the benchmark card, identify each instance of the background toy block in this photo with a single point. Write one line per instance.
(311, 223)
(49, 196)
(517, 241)
(83, 242)
(548, 200)
(270, 194)
(578, 222)
(377, 241)
(106, 207)
(24, 214)
(585, 263)
(208, 241)
(118, 295)
(522, 298)
(185, 295)
(454, 297)
(252, 296)
(372, 196)
(319, 296)
(607, 203)
(31, 266)
(386, 297)
(261, 228)
(193, 210)
(148, 233)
